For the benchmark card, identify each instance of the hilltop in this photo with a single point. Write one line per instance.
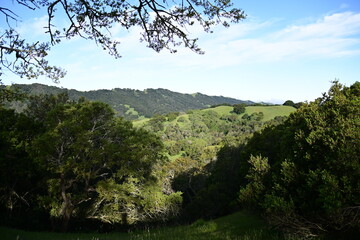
(135, 104)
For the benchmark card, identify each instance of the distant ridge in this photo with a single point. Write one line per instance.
(134, 104)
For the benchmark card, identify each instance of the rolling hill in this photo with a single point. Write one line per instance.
(135, 104)
(199, 134)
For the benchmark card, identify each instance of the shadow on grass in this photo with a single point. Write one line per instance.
(238, 226)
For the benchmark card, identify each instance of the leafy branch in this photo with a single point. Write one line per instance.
(164, 26)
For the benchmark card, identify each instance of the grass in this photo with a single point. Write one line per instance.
(237, 226)
(270, 112)
(140, 123)
(221, 110)
(14, 234)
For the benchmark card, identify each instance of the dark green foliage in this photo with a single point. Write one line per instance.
(77, 161)
(209, 179)
(199, 134)
(289, 103)
(157, 123)
(239, 108)
(146, 103)
(292, 104)
(20, 178)
(172, 116)
(221, 104)
(312, 183)
(8, 95)
(253, 117)
(85, 163)
(39, 106)
(215, 199)
(240, 225)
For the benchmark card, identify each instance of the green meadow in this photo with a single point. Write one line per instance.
(269, 112)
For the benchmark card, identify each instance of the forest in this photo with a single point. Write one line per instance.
(130, 103)
(75, 165)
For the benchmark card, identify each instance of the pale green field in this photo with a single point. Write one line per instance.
(270, 112)
(140, 123)
(221, 110)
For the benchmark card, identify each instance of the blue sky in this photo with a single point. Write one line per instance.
(283, 50)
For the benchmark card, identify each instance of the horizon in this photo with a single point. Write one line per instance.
(282, 51)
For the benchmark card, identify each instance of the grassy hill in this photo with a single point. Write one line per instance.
(270, 112)
(199, 134)
(135, 104)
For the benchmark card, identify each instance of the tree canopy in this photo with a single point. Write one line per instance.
(239, 108)
(164, 26)
(77, 160)
(304, 174)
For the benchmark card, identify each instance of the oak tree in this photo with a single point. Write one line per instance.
(97, 165)
(164, 25)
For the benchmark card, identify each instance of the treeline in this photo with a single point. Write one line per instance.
(129, 103)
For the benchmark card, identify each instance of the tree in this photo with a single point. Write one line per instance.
(289, 103)
(8, 94)
(239, 108)
(19, 176)
(163, 23)
(89, 155)
(250, 194)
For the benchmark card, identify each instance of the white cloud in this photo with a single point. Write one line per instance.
(332, 36)
(33, 28)
(335, 25)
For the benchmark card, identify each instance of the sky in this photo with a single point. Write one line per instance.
(283, 50)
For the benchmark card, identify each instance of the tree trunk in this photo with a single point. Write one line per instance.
(67, 208)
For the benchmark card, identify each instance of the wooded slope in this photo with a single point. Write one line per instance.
(134, 104)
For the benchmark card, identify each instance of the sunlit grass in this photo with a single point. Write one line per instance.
(140, 123)
(221, 110)
(270, 112)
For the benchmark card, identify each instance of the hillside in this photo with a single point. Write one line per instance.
(199, 134)
(270, 112)
(135, 104)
